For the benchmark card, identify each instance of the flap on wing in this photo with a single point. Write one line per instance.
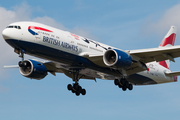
(136, 67)
(156, 54)
(173, 74)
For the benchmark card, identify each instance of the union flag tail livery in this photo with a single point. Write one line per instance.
(168, 40)
(81, 58)
(170, 37)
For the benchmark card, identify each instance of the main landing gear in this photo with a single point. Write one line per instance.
(123, 83)
(75, 87)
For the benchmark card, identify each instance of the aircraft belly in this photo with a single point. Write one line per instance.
(43, 51)
(69, 61)
(138, 79)
(96, 74)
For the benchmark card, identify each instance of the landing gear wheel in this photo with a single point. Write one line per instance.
(69, 87)
(130, 87)
(75, 86)
(124, 88)
(123, 84)
(123, 81)
(77, 93)
(79, 89)
(73, 91)
(120, 86)
(116, 81)
(83, 92)
(126, 84)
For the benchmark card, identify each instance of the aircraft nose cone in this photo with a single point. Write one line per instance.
(6, 34)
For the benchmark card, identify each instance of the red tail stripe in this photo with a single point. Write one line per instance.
(169, 40)
(164, 64)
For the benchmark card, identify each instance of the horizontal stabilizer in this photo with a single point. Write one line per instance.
(173, 74)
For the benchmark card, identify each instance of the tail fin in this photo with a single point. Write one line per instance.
(168, 40)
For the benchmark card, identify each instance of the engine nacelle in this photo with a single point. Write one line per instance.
(32, 69)
(117, 59)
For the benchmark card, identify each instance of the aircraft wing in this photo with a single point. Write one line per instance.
(142, 56)
(156, 54)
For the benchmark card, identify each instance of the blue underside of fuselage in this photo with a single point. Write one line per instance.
(71, 60)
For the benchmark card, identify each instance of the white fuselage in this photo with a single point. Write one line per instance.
(67, 42)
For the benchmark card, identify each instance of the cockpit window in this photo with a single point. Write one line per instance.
(10, 27)
(17, 27)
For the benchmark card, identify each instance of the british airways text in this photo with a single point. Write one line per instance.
(59, 43)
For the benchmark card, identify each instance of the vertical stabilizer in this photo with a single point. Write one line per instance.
(168, 40)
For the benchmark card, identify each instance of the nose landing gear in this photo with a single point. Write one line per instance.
(21, 53)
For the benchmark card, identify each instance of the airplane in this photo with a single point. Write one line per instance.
(82, 58)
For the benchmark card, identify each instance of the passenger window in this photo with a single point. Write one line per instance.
(15, 27)
(19, 27)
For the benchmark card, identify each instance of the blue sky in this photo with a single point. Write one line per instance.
(123, 24)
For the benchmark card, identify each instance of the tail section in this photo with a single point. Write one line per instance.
(168, 40)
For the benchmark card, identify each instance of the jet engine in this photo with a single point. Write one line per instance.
(32, 69)
(117, 59)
